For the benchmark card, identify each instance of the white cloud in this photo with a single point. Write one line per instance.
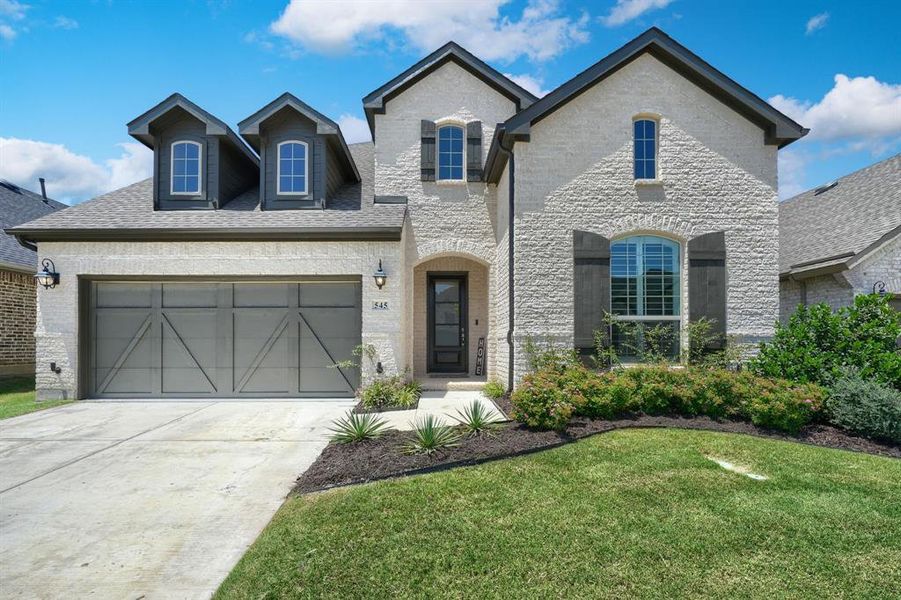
(12, 9)
(816, 22)
(332, 26)
(855, 107)
(71, 176)
(627, 10)
(7, 32)
(62, 22)
(354, 129)
(530, 83)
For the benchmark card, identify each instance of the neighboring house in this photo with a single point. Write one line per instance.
(842, 239)
(18, 265)
(247, 266)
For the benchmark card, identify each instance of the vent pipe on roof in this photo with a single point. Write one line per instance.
(43, 188)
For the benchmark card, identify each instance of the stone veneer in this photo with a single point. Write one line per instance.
(17, 314)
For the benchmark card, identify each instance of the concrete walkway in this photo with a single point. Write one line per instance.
(146, 499)
(445, 405)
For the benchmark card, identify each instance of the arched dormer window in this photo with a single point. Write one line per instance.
(186, 170)
(450, 153)
(645, 148)
(293, 168)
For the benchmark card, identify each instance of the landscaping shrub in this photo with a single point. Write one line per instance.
(865, 406)
(430, 435)
(394, 391)
(547, 399)
(476, 419)
(357, 428)
(494, 390)
(818, 342)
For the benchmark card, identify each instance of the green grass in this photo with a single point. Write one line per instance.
(17, 397)
(631, 513)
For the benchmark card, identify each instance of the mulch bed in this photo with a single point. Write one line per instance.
(359, 409)
(348, 464)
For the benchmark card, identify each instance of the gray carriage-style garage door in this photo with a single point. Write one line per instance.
(221, 339)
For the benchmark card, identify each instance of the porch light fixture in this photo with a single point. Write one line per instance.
(879, 288)
(380, 276)
(48, 277)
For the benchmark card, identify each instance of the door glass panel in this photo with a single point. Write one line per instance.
(447, 313)
(447, 291)
(447, 335)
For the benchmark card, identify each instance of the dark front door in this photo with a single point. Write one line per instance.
(447, 323)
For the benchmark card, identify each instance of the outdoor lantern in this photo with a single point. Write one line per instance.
(380, 276)
(48, 277)
(879, 288)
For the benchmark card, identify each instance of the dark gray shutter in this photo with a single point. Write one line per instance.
(591, 286)
(474, 151)
(707, 282)
(427, 150)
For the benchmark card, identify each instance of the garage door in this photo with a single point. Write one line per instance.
(215, 339)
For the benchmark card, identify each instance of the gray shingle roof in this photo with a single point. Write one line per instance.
(842, 221)
(128, 212)
(18, 205)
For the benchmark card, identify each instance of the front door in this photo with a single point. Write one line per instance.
(447, 323)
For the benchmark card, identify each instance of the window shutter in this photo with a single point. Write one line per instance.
(707, 282)
(427, 150)
(474, 151)
(591, 286)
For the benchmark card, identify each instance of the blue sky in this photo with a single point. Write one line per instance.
(74, 73)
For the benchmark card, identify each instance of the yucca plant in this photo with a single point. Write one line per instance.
(430, 435)
(355, 427)
(476, 418)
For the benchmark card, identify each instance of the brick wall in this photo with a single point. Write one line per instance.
(17, 306)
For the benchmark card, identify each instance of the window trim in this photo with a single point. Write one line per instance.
(655, 119)
(439, 125)
(172, 146)
(278, 169)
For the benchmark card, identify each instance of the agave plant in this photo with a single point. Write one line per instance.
(355, 427)
(476, 418)
(430, 435)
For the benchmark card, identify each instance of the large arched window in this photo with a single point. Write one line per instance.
(645, 295)
(645, 148)
(450, 153)
(292, 168)
(185, 167)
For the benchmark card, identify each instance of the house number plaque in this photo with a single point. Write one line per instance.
(380, 305)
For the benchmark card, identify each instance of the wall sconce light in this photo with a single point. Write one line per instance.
(48, 277)
(879, 288)
(380, 276)
(55, 368)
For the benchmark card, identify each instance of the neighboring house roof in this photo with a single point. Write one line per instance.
(128, 214)
(250, 127)
(139, 128)
(18, 205)
(829, 228)
(779, 129)
(374, 102)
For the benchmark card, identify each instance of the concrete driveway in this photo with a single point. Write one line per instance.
(152, 499)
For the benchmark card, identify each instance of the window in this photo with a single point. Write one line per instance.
(450, 153)
(292, 168)
(644, 295)
(185, 168)
(645, 135)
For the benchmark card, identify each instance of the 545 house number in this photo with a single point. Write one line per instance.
(380, 305)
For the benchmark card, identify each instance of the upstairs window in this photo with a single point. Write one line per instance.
(185, 167)
(292, 168)
(450, 153)
(645, 136)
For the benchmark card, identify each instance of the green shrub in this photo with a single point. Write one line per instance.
(780, 404)
(865, 406)
(818, 342)
(494, 389)
(357, 428)
(430, 435)
(540, 401)
(395, 391)
(476, 418)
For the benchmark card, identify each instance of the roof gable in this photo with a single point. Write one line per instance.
(374, 102)
(250, 127)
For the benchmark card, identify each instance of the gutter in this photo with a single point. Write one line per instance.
(511, 204)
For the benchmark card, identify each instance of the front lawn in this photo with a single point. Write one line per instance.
(630, 513)
(17, 397)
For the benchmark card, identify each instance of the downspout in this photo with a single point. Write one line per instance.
(511, 163)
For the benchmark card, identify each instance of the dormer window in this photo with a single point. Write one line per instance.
(185, 167)
(292, 168)
(450, 153)
(645, 137)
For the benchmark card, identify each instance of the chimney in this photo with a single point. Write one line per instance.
(43, 188)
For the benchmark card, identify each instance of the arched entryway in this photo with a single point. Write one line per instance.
(450, 317)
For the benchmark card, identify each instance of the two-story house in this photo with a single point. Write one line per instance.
(253, 261)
